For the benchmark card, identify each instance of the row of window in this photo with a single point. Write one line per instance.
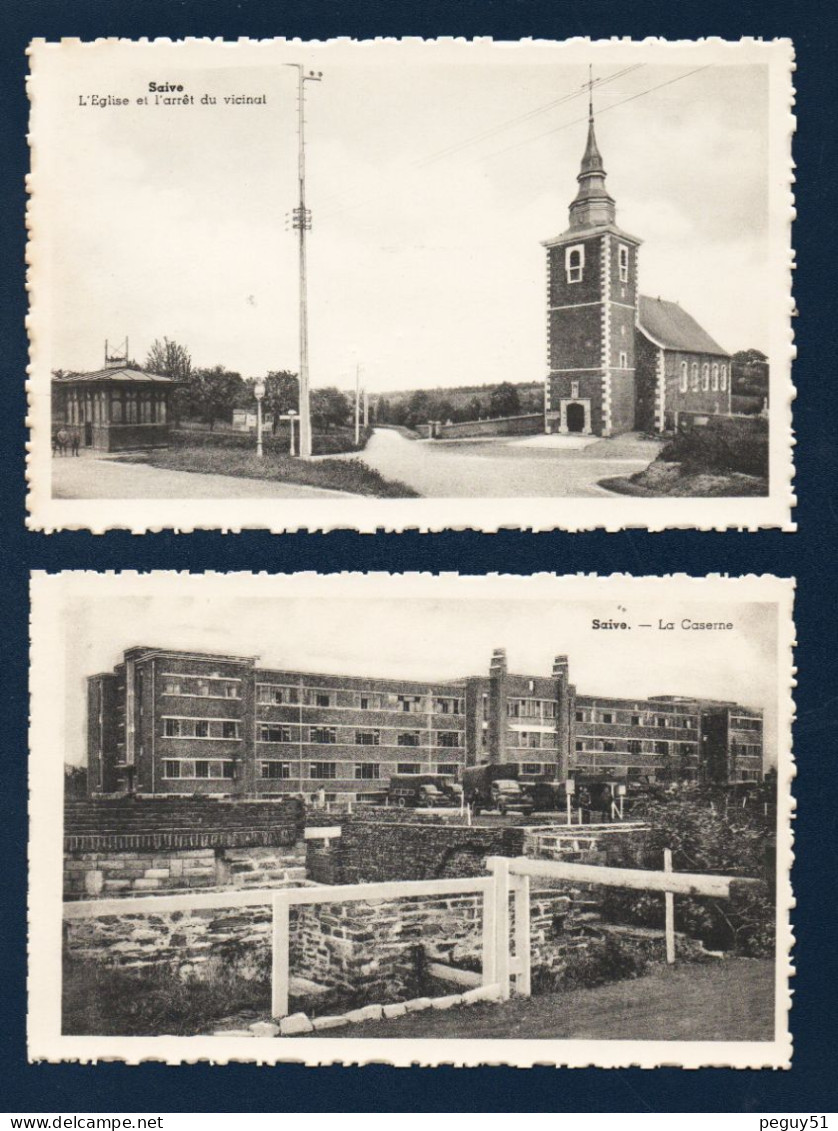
(127, 408)
(361, 771)
(531, 708)
(745, 749)
(197, 768)
(200, 728)
(711, 377)
(636, 746)
(744, 722)
(275, 694)
(209, 687)
(277, 732)
(626, 718)
(574, 262)
(532, 740)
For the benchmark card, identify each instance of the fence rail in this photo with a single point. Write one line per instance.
(507, 884)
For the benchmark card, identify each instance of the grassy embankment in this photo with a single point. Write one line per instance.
(729, 1000)
(233, 454)
(728, 457)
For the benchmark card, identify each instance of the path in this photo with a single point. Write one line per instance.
(90, 478)
(556, 466)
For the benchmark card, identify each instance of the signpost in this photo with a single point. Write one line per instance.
(290, 415)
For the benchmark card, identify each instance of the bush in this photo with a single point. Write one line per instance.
(724, 444)
(606, 960)
(105, 1000)
(703, 837)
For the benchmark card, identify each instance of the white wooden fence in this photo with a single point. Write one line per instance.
(511, 877)
(509, 880)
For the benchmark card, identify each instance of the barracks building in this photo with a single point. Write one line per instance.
(172, 723)
(619, 361)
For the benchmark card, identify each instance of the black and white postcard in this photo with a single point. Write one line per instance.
(411, 819)
(410, 285)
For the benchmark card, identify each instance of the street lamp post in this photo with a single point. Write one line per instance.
(291, 417)
(259, 391)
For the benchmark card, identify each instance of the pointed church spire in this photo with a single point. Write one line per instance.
(592, 207)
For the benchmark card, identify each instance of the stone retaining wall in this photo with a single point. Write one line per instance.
(91, 875)
(383, 846)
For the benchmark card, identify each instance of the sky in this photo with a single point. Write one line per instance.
(425, 267)
(427, 638)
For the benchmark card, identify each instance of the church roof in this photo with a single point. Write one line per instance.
(669, 326)
(110, 373)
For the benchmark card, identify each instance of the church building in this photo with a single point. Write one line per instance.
(619, 361)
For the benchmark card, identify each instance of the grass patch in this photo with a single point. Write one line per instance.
(730, 1000)
(335, 441)
(350, 475)
(104, 1000)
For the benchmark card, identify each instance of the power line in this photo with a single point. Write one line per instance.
(613, 106)
(466, 143)
(547, 133)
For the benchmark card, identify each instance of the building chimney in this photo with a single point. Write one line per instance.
(497, 706)
(565, 710)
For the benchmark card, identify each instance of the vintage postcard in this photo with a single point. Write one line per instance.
(410, 285)
(411, 819)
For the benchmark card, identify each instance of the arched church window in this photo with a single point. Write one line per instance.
(574, 262)
(715, 384)
(685, 377)
(705, 376)
(694, 376)
(624, 263)
(724, 379)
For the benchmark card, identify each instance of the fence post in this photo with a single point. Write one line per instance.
(669, 906)
(281, 940)
(523, 981)
(500, 873)
(488, 945)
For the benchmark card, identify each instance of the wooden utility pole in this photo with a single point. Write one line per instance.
(302, 223)
(357, 405)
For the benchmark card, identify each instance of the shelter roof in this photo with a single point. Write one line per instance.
(123, 374)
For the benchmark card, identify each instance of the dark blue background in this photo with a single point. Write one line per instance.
(808, 555)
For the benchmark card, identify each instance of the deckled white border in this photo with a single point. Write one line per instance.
(431, 514)
(49, 593)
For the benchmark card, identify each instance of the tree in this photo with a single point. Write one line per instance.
(329, 407)
(475, 409)
(749, 374)
(170, 359)
(213, 393)
(282, 393)
(75, 781)
(504, 400)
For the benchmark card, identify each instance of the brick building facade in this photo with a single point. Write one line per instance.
(168, 723)
(618, 361)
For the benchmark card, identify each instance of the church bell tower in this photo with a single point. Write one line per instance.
(591, 310)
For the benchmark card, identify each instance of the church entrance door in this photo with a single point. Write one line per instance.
(575, 418)
(88, 435)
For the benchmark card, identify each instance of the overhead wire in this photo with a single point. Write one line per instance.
(546, 133)
(465, 143)
(604, 110)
